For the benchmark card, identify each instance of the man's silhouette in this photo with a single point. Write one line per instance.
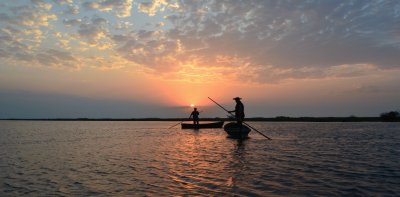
(239, 110)
(195, 115)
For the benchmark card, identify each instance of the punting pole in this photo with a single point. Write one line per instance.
(243, 121)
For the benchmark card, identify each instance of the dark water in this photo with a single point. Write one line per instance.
(145, 159)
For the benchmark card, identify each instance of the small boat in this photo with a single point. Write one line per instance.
(236, 131)
(210, 125)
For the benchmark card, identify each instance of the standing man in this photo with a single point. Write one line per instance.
(195, 115)
(239, 110)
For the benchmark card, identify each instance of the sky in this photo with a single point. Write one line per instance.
(154, 58)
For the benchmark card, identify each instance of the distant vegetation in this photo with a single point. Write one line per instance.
(317, 119)
(260, 119)
(392, 116)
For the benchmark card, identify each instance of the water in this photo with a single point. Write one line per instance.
(144, 159)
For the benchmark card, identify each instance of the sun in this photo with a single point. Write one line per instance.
(191, 105)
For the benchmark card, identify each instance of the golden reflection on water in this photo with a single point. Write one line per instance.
(205, 162)
(143, 159)
(238, 161)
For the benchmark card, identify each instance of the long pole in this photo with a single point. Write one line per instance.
(175, 124)
(243, 121)
(179, 123)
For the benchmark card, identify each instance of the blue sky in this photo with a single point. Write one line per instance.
(297, 58)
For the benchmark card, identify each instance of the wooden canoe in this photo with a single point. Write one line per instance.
(210, 125)
(235, 131)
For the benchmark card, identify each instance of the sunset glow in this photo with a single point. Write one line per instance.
(135, 58)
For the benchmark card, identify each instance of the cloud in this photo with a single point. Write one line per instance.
(72, 9)
(113, 61)
(42, 4)
(34, 36)
(269, 40)
(94, 32)
(353, 70)
(72, 22)
(24, 57)
(6, 35)
(121, 8)
(12, 39)
(274, 74)
(151, 8)
(28, 16)
(23, 47)
(275, 40)
(123, 25)
(56, 58)
(63, 1)
(4, 54)
(149, 49)
(48, 58)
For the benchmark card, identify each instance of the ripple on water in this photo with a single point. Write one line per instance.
(145, 159)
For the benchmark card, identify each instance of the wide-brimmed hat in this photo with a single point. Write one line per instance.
(237, 98)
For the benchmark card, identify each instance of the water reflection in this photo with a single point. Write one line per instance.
(237, 163)
(193, 167)
(137, 159)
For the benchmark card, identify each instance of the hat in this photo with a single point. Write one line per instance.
(237, 98)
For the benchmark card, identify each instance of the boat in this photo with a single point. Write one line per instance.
(236, 131)
(210, 125)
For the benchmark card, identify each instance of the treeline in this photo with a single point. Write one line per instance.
(392, 116)
(257, 119)
(318, 119)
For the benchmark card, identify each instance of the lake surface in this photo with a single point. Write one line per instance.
(47, 158)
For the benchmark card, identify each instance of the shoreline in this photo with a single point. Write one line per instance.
(258, 119)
